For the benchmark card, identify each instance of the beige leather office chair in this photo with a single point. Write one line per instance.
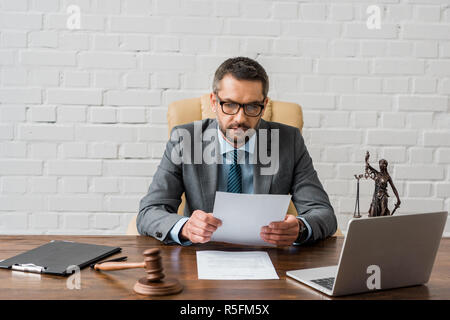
(188, 110)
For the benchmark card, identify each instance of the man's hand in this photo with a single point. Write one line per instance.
(200, 227)
(281, 233)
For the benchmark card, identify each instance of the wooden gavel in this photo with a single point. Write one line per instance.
(152, 284)
(152, 265)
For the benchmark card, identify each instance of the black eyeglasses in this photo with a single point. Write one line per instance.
(250, 109)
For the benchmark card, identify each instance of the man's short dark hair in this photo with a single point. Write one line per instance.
(242, 68)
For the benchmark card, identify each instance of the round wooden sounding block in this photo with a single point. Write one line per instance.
(153, 284)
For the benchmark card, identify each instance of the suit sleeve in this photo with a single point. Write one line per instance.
(158, 209)
(309, 197)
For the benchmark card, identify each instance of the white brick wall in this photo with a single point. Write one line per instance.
(83, 112)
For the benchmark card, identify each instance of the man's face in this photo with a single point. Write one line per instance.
(234, 127)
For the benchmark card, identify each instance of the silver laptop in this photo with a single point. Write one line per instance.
(380, 253)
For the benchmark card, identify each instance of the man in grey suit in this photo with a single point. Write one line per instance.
(239, 99)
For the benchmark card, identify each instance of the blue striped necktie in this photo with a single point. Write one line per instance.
(234, 183)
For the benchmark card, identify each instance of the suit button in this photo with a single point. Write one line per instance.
(158, 234)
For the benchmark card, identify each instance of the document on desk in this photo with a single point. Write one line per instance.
(225, 265)
(243, 215)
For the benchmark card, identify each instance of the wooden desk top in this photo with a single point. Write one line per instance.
(180, 262)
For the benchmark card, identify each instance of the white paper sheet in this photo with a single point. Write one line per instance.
(243, 215)
(224, 265)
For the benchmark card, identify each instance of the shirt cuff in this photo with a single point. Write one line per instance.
(308, 227)
(174, 232)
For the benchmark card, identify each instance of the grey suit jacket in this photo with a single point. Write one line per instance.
(178, 173)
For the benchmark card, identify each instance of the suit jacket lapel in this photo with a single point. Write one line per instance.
(261, 183)
(208, 173)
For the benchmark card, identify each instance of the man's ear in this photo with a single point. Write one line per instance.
(266, 101)
(213, 102)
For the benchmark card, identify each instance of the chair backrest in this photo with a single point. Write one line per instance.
(189, 110)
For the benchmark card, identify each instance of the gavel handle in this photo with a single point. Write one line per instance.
(111, 266)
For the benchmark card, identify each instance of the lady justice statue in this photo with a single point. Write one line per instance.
(379, 205)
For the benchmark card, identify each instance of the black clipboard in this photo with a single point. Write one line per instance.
(58, 257)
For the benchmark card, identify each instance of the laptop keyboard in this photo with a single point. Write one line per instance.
(325, 282)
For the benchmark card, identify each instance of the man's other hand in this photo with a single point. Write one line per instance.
(200, 227)
(281, 233)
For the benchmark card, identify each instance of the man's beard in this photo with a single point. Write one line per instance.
(239, 139)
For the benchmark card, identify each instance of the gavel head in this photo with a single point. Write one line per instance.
(153, 264)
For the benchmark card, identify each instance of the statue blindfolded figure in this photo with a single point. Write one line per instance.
(379, 205)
